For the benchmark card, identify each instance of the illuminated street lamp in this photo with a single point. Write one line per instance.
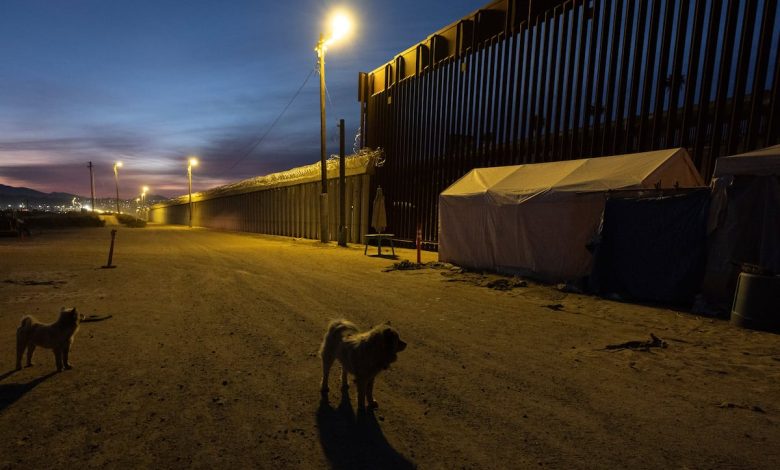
(144, 190)
(116, 182)
(191, 163)
(340, 26)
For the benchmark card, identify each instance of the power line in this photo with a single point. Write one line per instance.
(254, 145)
(327, 93)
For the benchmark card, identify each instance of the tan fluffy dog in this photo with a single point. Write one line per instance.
(57, 336)
(363, 355)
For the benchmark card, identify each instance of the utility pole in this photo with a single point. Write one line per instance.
(191, 163)
(92, 186)
(342, 188)
(189, 185)
(116, 182)
(321, 46)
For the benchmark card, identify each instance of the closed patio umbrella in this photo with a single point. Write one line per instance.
(378, 214)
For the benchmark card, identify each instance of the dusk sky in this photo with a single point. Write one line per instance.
(150, 82)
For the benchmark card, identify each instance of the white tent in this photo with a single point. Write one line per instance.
(537, 219)
(763, 162)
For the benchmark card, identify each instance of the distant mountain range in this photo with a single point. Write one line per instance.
(10, 195)
(14, 194)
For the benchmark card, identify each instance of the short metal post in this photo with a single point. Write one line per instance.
(111, 250)
(419, 241)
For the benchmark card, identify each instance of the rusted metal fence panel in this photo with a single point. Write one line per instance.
(535, 81)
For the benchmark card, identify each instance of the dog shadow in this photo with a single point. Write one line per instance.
(355, 441)
(11, 392)
(8, 374)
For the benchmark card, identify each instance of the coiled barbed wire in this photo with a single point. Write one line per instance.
(356, 143)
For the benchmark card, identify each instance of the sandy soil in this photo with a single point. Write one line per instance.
(210, 359)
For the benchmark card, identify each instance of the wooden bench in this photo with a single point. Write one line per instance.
(379, 237)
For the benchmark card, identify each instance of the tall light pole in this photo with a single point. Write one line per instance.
(144, 190)
(191, 163)
(92, 186)
(321, 46)
(340, 26)
(116, 182)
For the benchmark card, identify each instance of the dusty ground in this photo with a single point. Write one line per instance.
(210, 360)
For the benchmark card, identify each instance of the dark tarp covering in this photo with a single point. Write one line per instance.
(652, 249)
(744, 222)
(748, 231)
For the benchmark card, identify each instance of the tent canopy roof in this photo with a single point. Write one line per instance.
(638, 170)
(758, 162)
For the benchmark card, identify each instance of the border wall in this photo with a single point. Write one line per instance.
(285, 203)
(528, 81)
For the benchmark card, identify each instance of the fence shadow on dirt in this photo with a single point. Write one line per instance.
(351, 441)
(11, 392)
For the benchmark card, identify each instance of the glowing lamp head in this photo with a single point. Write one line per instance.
(118, 164)
(193, 161)
(340, 26)
(145, 189)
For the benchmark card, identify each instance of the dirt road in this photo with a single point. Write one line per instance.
(210, 360)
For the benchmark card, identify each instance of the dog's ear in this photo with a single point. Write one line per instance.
(70, 313)
(390, 337)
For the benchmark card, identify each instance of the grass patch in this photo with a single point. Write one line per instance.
(130, 221)
(48, 220)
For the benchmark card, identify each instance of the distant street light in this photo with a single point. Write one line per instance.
(116, 182)
(192, 162)
(340, 26)
(144, 190)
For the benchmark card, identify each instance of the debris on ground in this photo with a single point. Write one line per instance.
(404, 265)
(480, 279)
(556, 307)
(33, 282)
(442, 265)
(755, 408)
(505, 284)
(570, 287)
(94, 318)
(654, 342)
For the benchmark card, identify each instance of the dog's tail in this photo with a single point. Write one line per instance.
(337, 329)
